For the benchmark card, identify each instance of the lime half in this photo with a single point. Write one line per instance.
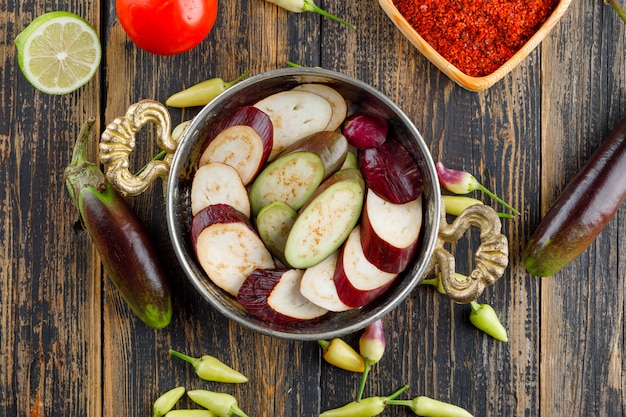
(58, 52)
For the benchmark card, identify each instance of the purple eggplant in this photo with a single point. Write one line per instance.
(582, 211)
(120, 238)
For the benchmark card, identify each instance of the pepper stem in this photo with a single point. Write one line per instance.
(495, 197)
(235, 81)
(620, 11)
(396, 394)
(364, 375)
(310, 6)
(193, 361)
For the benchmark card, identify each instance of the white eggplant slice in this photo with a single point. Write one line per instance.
(217, 183)
(358, 281)
(235, 141)
(318, 285)
(337, 102)
(326, 220)
(330, 146)
(227, 246)
(294, 115)
(390, 232)
(239, 146)
(292, 179)
(274, 222)
(274, 296)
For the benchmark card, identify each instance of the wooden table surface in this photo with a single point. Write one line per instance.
(69, 346)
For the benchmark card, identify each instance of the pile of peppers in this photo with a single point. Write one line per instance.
(372, 344)
(215, 404)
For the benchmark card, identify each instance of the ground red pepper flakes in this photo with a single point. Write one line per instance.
(476, 36)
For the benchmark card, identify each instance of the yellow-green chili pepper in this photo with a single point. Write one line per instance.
(340, 354)
(456, 204)
(372, 345)
(220, 403)
(191, 413)
(210, 368)
(427, 407)
(167, 401)
(484, 317)
(367, 407)
(202, 93)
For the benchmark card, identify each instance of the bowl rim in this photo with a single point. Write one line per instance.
(177, 240)
(455, 74)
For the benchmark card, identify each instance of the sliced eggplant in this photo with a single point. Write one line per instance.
(274, 296)
(390, 232)
(326, 220)
(227, 246)
(294, 115)
(217, 183)
(292, 179)
(243, 140)
(337, 102)
(330, 146)
(318, 285)
(274, 222)
(358, 281)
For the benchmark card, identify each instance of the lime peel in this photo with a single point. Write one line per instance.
(58, 52)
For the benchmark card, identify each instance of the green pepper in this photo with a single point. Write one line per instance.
(210, 368)
(340, 354)
(428, 407)
(456, 204)
(202, 93)
(191, 413)
(372, 345)
(167, 401)
(367, 407)
(220, 403)
(484, 317)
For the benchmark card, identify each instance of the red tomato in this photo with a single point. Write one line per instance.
(167, 27)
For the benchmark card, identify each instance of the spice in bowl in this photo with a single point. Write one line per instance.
(476, 36)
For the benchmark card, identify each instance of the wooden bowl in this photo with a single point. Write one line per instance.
(455, 74)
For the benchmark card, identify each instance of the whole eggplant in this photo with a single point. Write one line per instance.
(120, 238)
(583, 209)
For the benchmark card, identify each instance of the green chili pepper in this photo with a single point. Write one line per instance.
(484, 317)
(210, 368)
(191, 413)
(456, 204)
(427, 407)
(202, 93)
(340, 354)
(220, 403)
(367, 407)
(436, 281)
(167, 401)
(372, 345)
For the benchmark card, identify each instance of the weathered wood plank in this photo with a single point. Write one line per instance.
(582, 322)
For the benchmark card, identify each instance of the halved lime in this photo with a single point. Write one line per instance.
(58, 52)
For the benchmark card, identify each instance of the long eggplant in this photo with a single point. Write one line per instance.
(120, 238)
(583, 209)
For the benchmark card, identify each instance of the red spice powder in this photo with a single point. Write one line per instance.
(476, 36)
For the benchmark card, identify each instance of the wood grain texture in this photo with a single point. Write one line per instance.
(71, 347)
